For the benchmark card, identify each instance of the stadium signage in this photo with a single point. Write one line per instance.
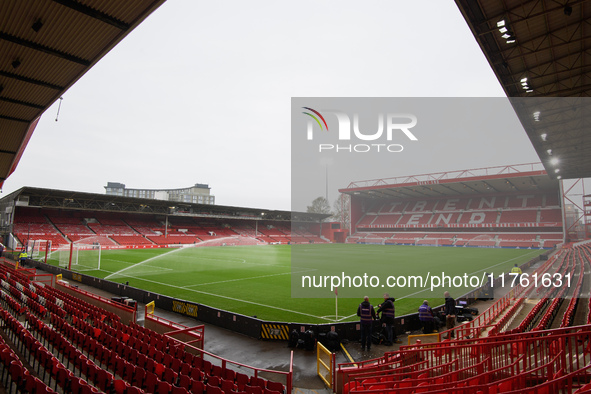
(389, 126)
(185, 308)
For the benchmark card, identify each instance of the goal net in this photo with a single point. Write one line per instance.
(36, 248)
(85, 257)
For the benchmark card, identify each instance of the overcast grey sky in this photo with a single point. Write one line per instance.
(200, 92)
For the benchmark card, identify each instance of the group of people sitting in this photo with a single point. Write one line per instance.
(431, 322)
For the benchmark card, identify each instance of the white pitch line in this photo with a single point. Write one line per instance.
(228, 298)
(142, 262)
(252, 277)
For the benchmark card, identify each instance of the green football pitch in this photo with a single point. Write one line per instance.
(256, 280)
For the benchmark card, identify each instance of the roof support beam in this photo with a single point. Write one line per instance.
(534, 44)
(23, 103)
(91, 12)
(14, 119)
(528, 16)
(583, 90)
(31, 80)
(44, 49)
(560, 60)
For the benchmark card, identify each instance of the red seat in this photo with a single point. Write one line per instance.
(75, 385)
(62, 377)
(104, 379)
(349, 386)
(256, 381)
(253, 389)
(229, 374)
(206, 367)
(30, 383)
(150, 382)
(188, 358)
(184, 381)
(134, 390)
(169, 375)
(241, 380)
(209, 389)
(159, 369)
(197, 387)
(167, 360)
(120, 386)
(129, 371)
(176, 364)
(196, 373)
(179, 390)
(185, 369)
(228, 385)
(17, 373)
(164, 387)
(505, 386)
(216, 370)
(275, 386)
(138, 376)
(213, 380)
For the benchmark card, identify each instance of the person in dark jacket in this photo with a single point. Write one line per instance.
(367, 315)
(387, 318)
(449, 311)
(426, 317)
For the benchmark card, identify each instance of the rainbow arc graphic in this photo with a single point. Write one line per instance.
(314, 116)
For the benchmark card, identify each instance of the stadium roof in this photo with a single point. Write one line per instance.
(540, 49)
(496, 180)
(82, 201)
(45, 47)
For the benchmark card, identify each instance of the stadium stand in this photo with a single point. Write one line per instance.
(495, 352)
(510, 220)
(128, 230)
(58, 343)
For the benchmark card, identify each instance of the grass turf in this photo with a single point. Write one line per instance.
(256, 280)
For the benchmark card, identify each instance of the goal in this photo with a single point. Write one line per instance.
(37, 248)
(84, 257)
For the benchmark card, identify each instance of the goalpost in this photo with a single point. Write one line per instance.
(38, 248)
(79, 257)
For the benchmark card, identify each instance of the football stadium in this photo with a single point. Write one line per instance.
(164, 291)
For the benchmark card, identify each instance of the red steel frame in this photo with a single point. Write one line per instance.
(199, 330)
(518, 170)
(568, 195)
